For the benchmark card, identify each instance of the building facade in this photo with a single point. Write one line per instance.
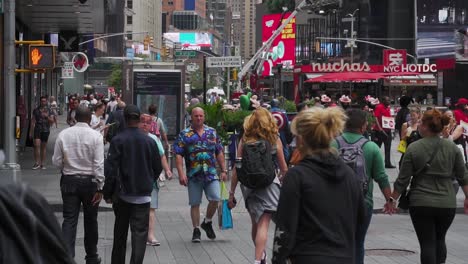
(144, 15)
(248, 37)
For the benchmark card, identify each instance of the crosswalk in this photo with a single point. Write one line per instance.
(435, 47)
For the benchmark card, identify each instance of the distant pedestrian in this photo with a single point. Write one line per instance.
(321, 207)
(42, 118)
(261, 203)
(403, 114)
(454, 132)
(159, 129)
(132, 167)
(355, 127)
(74, 103)
(461, 111)
(79, 153)
(54, 108)
(429, 165)
(145, 125)
(111, 105)
(97, 122)
(383, 135)
(116, 122)
(201, 147)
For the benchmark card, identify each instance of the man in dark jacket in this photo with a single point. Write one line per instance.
(132, 166)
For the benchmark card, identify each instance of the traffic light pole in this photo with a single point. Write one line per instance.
(204, 79)
(10, 93)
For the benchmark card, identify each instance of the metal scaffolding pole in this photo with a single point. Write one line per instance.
(10, 93)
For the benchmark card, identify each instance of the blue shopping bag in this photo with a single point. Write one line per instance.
(226, 222)
(224, 213)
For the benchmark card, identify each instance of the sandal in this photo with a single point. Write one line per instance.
(153, 243)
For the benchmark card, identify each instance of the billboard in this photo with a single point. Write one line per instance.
(189, 40)
(282, 51)
(437, 22)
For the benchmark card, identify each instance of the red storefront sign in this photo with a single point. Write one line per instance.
(394, 57)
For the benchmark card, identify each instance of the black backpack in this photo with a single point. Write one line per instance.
(353, 156)
(257, 169)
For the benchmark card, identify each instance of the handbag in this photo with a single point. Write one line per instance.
(402, 146)
(404, 202)
(224, 213)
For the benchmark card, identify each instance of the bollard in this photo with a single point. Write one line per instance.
(170, 157)
(227, 162)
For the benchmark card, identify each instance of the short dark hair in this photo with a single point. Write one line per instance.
(83, 114)
(43, 97)
(356, 119)
(152, 109)
(301, 106)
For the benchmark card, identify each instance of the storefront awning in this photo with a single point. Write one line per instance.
(338, 77)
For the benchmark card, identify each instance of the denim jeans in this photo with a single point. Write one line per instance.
(137, 216)
(76, 192)
(361, 237)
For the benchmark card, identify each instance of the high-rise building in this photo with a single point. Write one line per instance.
(218, 14)
(236, 25)
(247, 16)
(144, 15)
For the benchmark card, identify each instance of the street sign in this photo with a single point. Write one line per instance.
(185, 53)
(67, 70)
(221, 62)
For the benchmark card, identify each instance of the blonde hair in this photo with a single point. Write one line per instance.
(317, 128)
(260, 125)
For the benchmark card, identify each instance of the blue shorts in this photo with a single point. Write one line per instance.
(154, 198)
(196, 188)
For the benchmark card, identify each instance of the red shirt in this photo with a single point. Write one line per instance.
(460, 116)
(381, 110)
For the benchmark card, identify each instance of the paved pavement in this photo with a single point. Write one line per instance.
(388, 241)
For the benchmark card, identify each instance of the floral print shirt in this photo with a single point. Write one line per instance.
(200, 152)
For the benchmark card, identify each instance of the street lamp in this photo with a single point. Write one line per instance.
(351, 43)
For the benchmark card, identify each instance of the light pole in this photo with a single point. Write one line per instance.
(351, 43)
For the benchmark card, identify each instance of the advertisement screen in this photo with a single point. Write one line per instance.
(162, 88)
(282, 51)
(437, 22)
(190, 39)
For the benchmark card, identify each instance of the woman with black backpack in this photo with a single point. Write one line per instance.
(261, 192)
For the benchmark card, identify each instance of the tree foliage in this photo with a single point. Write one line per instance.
(115, 79)
(276, 6)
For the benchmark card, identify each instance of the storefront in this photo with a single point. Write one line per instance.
(361, 79)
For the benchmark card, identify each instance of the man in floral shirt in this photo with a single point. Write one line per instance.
(201, 148)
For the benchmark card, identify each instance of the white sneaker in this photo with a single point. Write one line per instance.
(36, 166)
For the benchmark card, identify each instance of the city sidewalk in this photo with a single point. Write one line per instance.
(391, 239)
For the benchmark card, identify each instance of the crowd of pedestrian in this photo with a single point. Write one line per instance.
(325, 164)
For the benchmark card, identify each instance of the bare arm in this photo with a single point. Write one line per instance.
(166, 167)
(180, 170)
(404, 129)
(457, 133)
(280, 158)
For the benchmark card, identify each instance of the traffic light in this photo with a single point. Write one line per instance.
(41, 57)
(146, 42)
(234, 74)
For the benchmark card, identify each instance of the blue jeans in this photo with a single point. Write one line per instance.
(361, 237)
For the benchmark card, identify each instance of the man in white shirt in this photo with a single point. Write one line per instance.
(79, 153)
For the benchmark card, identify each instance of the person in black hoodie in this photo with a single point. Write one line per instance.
(321, 206)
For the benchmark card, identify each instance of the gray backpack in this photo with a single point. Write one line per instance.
(353, 156)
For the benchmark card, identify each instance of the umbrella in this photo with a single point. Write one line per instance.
(88, 86)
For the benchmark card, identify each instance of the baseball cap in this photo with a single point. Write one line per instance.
(132, 111)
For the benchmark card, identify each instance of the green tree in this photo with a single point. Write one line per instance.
(115, 79)
(276, 6)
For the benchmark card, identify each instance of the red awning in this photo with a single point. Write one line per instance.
(347, 77)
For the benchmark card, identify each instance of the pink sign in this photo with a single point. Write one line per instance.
(283, 47)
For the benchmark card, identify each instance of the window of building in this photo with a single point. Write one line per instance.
(170, 3)
(129, 35)
(130, 4)
(129, 20)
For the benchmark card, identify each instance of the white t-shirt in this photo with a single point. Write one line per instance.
(94, 122)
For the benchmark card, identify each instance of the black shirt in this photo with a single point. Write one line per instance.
(41, 115)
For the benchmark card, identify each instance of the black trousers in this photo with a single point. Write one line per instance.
(431, 225)
(76, 192)
(137, 216)
(380, 137)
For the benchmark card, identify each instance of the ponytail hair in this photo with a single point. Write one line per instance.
(435, 120)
